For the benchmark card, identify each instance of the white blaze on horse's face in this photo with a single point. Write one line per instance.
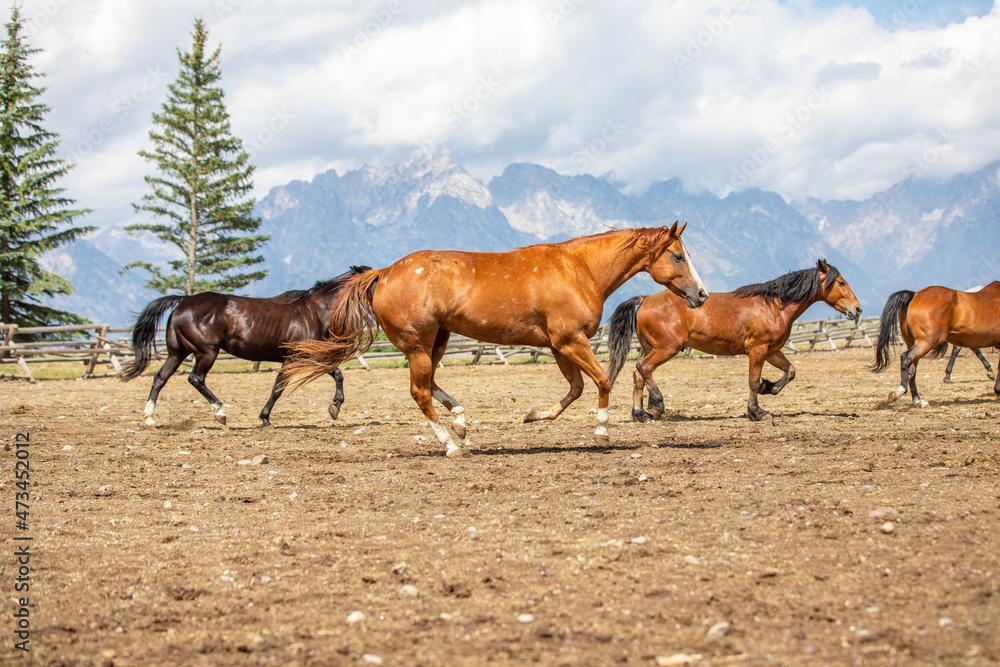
(674, 270)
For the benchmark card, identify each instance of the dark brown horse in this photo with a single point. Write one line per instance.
(548, 295)
(929, 320)
(755, 320)
(249, 328)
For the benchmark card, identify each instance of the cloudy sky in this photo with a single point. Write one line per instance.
(824, 98)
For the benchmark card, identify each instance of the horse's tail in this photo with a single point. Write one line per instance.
(620, 335)
(144, 332)
(896, 303)
(353, 328)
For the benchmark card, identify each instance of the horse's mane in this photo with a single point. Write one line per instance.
(793, 287)
(292, 296)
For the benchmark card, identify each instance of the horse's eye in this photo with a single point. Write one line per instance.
(841, 283)
(679, 257)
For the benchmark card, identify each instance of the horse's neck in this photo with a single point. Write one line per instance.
(793, 310)
(609, 264)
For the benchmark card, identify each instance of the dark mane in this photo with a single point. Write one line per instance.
(292, 296)
(793, 287)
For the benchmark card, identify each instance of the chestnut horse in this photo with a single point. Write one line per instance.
(928, 321)
(547, 295)
(755, 320)
(249, 328)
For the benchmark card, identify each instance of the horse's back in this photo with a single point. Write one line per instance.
(967, 319)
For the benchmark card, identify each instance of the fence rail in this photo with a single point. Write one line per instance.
(100, 345)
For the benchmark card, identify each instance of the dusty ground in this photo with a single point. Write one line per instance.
(160, 548)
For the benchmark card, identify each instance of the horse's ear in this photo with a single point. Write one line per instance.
(681, 230)
(673, 230)
(822, 265)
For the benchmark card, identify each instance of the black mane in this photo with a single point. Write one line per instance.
(793, 287)
(292, 296)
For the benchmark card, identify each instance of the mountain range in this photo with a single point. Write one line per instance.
(916, 233)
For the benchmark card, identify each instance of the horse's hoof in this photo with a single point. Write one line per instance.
(891, 398)
(455, 453)
(991, 376)
(602, 439)
(641, 416)
(267, 427)
(532, 416)
(221, 419)
(947, 379)
(920, 403)
(149, 426)
(758, 415)
(334, 410)
(655, 413)
(459, 430)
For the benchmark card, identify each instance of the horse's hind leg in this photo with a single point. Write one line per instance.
(338, 397)
(757, 356)
(168, 368)
(202, 365)
(643, 378)
(440, 395)
(986, 364)
(955, 349)
(908, 372)
(421, 379)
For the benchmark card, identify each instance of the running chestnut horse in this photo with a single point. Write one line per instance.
(249, 328)
(755, 320)
(928, 321)
(547, 295)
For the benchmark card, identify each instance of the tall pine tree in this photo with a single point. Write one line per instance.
(203, 178)
(34, 215)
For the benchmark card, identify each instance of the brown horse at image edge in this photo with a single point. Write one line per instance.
(930, 319)
(547, 295)
(755, 320)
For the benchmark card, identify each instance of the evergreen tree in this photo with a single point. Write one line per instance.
(203, 176)
(34, 215)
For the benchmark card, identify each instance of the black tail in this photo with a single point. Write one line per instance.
(620, 335)
(887, 328)
(144, 332)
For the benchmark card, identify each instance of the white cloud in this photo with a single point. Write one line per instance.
(828, 102)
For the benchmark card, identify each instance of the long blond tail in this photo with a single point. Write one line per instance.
(353, 328)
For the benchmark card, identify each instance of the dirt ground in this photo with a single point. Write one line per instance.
(841, 531)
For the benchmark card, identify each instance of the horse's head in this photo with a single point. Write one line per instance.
(835, 291)
(670, 265)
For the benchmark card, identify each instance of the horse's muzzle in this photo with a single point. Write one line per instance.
(698, 300)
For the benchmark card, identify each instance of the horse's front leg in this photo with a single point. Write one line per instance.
(276, 391)
(574, 357)
(781, 362)
(757, 356)
(338, 397)
(955, 349)
(575, 379)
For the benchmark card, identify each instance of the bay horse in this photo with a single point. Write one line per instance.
(546, 295)
(928, 320)
(250, 328)
(956, 349)
(755, 320)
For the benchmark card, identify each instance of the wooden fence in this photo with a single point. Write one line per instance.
(102, 350)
